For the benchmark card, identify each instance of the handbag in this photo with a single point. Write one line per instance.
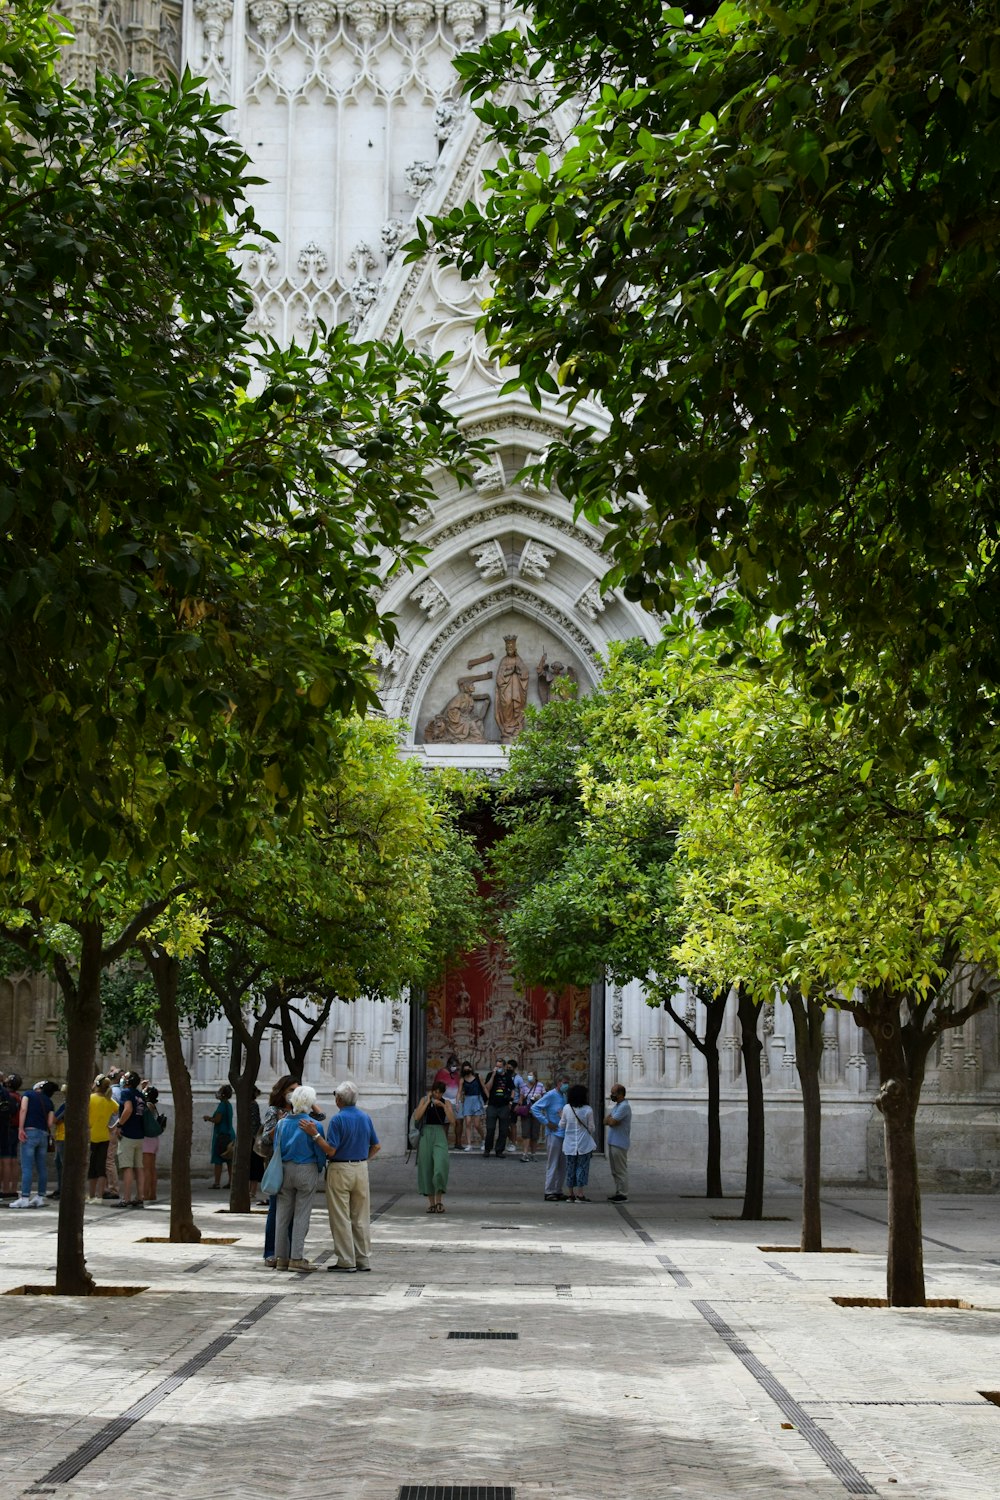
(274, 1172)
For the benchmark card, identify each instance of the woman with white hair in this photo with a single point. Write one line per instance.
(302, 1161)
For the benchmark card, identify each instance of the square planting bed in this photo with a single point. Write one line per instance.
(957, 1302)
(99, 1291)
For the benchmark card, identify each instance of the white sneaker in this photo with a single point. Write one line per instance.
(38, 1202)
(22, 1203)
(468, 1148)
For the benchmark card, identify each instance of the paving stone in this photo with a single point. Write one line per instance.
(617, 1384)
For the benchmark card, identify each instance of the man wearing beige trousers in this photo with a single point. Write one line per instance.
(349, 1146)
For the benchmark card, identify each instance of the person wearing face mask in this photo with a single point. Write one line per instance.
(548, 1112)
(499, 1097)
(471, 1102)
(531, 1091)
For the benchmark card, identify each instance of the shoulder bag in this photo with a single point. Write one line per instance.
(274, 1172)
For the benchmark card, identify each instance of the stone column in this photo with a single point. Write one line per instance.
(829, 1068)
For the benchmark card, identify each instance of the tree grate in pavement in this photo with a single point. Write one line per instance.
(490, 1334)
(675, 1271)
(69, 1467)
(455, 1492)
(837, 1462)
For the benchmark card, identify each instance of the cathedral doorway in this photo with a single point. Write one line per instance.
(479, 1013)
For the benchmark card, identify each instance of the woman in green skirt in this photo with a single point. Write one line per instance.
(433, 1114)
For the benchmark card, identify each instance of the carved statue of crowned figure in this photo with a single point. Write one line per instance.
(511, 692)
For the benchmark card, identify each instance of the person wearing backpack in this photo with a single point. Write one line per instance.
(154, 1124)
(499, 1094)
(35, 1121)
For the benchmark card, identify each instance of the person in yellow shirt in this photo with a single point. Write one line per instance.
(102, 1109)
(59, 1140)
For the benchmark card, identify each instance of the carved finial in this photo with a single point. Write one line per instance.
(367, 18)
(213, 15)
(415, 16)
(463, 17)
(270, 17)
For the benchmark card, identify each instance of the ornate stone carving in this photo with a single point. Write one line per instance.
(312, 261)
(445, 119)
(317, 17)
(616, 1010)
(461, 720)
(489, 477)
(389, 659)
(590, 602)
(414, 16)
(550, 673)
(511, 693)
(213, 15)
(535, 560)
(270, 17)
(505, 596)
(363, 291)
(391, 233)
(430, 597)
(501, 516)
(463, 18)
(418, 174)
(367, 17)
(490, 559)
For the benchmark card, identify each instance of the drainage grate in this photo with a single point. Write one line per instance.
(838, 1463)
(510, 1228)
(782, 1270)
(677, 1274)
(564, 1291)
(455, 1492)
(491, 1334)
(415, 1290)
(112, 1431)
(647, 1239)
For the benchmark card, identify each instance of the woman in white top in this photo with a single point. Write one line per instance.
(580, 1143)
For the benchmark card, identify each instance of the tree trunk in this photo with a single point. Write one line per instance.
(715, 1010)
(165, 971)
(292, 1045)
(807, 1017)
(82, 1005)
(244, 1081)
(905, 1255)
(751, 1046)
(901, 1070)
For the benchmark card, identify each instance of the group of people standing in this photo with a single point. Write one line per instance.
(125, 1128)
(490, 1114)
(504, 1102)
(297, 1150)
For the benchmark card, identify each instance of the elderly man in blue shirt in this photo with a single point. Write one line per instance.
(549, 1110)
(350, 1144)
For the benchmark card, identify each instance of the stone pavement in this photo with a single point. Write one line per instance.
(659, 1352)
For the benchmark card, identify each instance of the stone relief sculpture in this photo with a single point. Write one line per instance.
(512, 692)
(461, 720)
(548, 673)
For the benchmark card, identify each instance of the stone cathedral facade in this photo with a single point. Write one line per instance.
(350, 111)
